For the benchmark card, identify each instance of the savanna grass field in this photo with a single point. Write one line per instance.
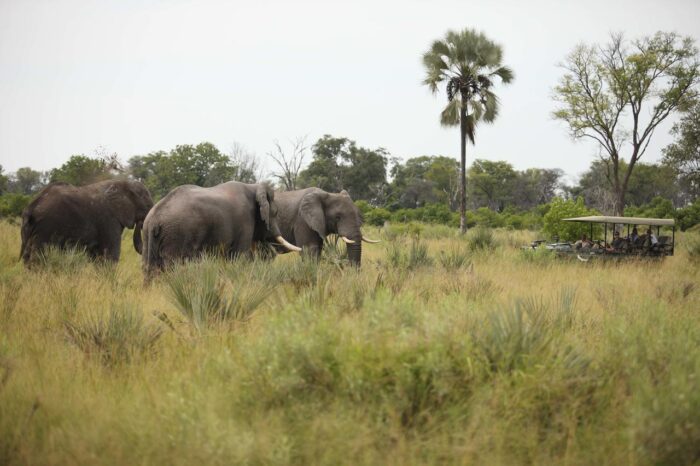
(441, 349)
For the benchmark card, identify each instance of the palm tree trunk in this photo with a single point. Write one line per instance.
(463, 171)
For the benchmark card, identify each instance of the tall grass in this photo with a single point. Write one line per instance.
(435, 351)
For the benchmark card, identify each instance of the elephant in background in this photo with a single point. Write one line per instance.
(306, 216)
(90, 217)
(226, 219)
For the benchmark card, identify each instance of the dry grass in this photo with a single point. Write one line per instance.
(439, 352)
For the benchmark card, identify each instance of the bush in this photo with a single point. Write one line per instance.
(206, 293)
(116, 338)
(688, 216)
(488, 218)
(553, 224)
(659, 207)
(377, 216)
(455, 258)
(480, 239)
(416, 256)
(692, 245)
(12, 204)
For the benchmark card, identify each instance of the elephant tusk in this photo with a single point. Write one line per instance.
(371, 241)
(347, 240)
(287, 244)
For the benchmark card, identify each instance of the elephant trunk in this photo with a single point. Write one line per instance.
(138, 243)
(355, 253)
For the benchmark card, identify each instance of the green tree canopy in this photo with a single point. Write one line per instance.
(424, 180)
(201, 165)
(339, 163)
(647, 181)
(684, 152)
(468, 63)
(26, 181)
(491, 184)
(536, 186)
(80, 170)
(618, 94)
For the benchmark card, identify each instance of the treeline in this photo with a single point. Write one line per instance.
(421, 188)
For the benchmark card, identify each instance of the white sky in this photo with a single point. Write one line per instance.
(138, 76)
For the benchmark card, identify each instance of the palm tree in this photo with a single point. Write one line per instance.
(468, 62)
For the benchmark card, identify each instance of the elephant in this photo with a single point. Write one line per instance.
(90, 217)
(306, 216)
(227, 219)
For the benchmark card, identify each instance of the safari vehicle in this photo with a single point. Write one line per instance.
(623, 241)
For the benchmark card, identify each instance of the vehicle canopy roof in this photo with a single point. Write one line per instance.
(624, 220)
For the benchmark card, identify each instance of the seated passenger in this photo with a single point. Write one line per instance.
(651, 241)
(634, 235)
(583, 243)
(618, 243)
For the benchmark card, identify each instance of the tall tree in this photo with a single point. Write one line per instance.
(467, 62)
(202, 165)
(26, 181)
(684, 153)
(80, 170)
(340, 163)
(618, 94)
(492, 184)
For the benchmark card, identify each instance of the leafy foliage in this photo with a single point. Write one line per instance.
(12, 204)
(604, 85)
(201, 165)
(339, 164)
(80, 170)
(561, 209)
(684, 152)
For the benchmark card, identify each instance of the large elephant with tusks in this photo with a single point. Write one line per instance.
(306, 216)
(90, 217)
(227, 219)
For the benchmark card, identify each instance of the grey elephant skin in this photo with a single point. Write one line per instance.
(227, 219)
(92, 217)
(306, 216)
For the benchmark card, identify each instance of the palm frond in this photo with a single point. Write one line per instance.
(450, 114)
(490, 103)
(471, 128)
(505, 73)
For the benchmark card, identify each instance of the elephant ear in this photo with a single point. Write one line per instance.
(311, 210)
(264, 196)
(118, 197)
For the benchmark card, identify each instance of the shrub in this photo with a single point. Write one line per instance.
(455, 258)
(480, 239)
(12, 204)
(688, 216)
(560, 209)
(416, 256)
(116, 338)
(205, 297)
(692, 245)
(514, 336)
(486, 217)
(377, 216)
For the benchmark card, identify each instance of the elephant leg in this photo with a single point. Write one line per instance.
(312, 250)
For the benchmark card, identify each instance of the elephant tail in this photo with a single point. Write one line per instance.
(26, 233)
(154, 260)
